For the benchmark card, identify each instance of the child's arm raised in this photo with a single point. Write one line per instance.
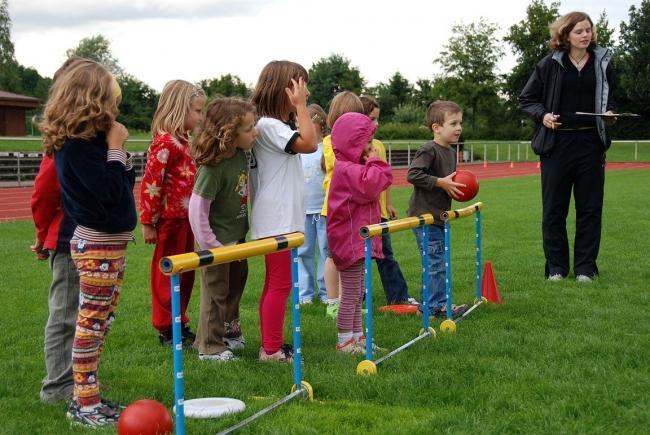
(306, 142)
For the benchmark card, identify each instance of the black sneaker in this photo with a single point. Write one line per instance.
(100, 416)
(166, 336)
(188, 335)
(441, 313)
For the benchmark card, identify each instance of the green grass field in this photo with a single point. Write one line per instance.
(553, 358)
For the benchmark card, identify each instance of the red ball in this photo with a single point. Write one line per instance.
(145, 417)
(471, 185)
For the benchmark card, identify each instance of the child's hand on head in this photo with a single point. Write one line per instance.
(369, 152)
(450, 186)
(117, 136)
(298, 92)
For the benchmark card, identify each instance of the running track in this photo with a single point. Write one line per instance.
(14, 201)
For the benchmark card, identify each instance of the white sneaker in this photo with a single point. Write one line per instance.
(412, 301)
(235, 343)
(226, 355)
(583, 278)
(556, 277)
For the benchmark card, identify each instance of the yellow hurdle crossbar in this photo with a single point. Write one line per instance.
(450, 215)
(225, 254)
(387, 227)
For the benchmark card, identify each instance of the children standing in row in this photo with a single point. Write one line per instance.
(96, 177)
(219, 217)
(277, 188)
(431, 173)
(314, 223)
(358, 178)
(164, 197)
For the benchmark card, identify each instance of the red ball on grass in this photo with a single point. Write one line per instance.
(471, 185)
(145, 417)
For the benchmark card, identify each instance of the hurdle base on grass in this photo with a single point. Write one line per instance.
(367, 367)
(305, 391)
(449, 325)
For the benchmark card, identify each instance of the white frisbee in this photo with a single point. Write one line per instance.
(212, 407)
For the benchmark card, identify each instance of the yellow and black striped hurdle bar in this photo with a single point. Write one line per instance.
(368, 366)
(449, 325)
(177, 264)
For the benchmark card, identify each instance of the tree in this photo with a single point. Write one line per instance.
(139, 103)
(227, 86)
(330, 75)
(471, 55)
(9, 73)
(529, 40)
(398, 91)
(633, 72)
(604, 32)
(97, 48)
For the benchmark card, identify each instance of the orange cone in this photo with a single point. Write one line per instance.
(512, 165)
(538, 165)
(489, 288)
(485, 163)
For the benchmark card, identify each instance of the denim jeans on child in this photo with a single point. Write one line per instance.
(436, 263)
(391, 275)
(314, 234)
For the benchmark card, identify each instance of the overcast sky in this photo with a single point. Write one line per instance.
(161, 40)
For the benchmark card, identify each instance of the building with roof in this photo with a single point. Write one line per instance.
(12, 112)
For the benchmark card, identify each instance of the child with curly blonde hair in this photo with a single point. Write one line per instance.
(96, 178)
(164, 197)
(219, 216)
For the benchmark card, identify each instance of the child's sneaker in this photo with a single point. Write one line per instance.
(350, 346)
(362, 344)
(100, 416)
(226, 355)
(166, 336)
(283, 355)
(441, 313)
(235, 343)
(187, 335)
(332, 310)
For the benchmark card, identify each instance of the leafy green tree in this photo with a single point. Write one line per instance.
(139, 103)
(633, 72)
(226, 85)
(9, 72)
(529, 41)
(409, 113)
(97, 48)
(330, 75)
(604, 32)
(471, 56)
(398, 91)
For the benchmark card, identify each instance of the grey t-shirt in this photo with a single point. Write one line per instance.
(432, 161)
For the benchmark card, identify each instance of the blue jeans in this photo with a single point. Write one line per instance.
(391, 275)
(314, 233)
(436, 252)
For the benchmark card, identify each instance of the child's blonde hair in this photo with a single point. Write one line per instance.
(318, 116)
(343, 102)
(438, 110)
(173, 106)
(269, 95)
(82, 102)
(216, 137)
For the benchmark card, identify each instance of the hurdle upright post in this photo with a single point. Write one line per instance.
(448, 268)
(425, 278)
(295, 299)
(479, 257)
(177, 341)
(368, 292)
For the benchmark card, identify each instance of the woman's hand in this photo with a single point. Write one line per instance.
(550, 121)
(609, 120)
(149, 234)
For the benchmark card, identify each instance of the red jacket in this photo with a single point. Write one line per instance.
(167, 181)
(354, 191)
(53, 229)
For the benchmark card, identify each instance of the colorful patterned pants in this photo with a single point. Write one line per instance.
(101, 270)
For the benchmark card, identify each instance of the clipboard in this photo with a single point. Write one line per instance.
(610, 115)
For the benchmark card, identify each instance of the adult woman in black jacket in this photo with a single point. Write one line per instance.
(576, 76)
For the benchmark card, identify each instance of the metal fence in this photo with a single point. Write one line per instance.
(20, 168)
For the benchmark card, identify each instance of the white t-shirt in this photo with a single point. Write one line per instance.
(276, 181)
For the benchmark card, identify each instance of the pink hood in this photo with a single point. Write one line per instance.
(353, 199)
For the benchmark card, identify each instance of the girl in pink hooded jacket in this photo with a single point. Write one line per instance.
(358, 178)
